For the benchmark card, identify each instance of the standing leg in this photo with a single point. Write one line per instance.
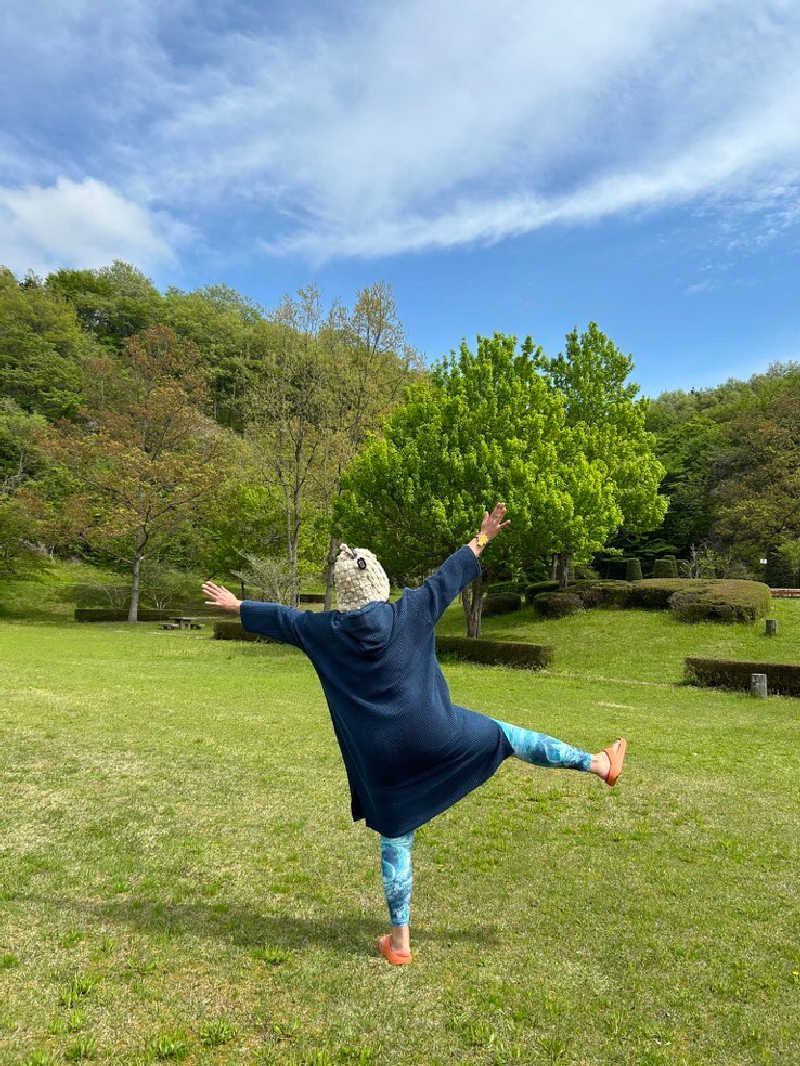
(542, 750)
(396, 871)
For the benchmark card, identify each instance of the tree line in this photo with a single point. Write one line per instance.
(732, 460)
(199, 431)
(190, 429)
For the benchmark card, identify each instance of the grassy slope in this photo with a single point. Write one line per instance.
(654, 644)
(175, 824)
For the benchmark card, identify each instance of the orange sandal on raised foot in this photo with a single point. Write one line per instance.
(392, 956)
(616, 757)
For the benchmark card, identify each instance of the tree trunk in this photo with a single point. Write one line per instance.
(472, 604)
(333, 551)
(554, 567)
(133, 610)
(564, 563)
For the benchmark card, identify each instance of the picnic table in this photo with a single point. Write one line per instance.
(182, 622)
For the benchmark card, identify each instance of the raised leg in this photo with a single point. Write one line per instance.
(542, 750)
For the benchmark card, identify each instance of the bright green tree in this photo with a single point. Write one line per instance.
(608, 421)
(485, 428)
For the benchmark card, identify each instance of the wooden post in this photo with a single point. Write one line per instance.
(758, 685)
(772, 627)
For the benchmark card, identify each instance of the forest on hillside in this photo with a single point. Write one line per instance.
(197, 431)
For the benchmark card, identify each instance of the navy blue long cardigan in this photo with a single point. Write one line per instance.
(408, 751)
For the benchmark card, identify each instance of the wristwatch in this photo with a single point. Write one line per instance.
(482, 539)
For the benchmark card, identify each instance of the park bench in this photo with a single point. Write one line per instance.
(181, 622)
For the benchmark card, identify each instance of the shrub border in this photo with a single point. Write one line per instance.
(782, 678)
(497, 652)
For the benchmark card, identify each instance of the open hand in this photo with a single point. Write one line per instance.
(493, 523)
(220, 597)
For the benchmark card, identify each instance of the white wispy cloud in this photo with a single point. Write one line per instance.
(415, 126)
(81, 224)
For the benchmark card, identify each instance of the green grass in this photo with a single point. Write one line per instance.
(180, 879)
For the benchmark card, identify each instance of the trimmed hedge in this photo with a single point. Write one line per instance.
(502, 603)
(633, 569)
(725, 601)
(557, 604)
(232, 629)
(603, 593)
(655, 592)
(782, 678)
(497, 652)
(666, 567)
(693, 600)
(534, 589)
(120, 614)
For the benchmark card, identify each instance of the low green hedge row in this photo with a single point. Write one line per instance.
(232, 629)
(497, 652)
(689, 600)
(120, 614)
(782, 678)
(503, 653)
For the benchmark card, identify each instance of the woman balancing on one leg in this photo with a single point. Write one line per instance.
(408, 751)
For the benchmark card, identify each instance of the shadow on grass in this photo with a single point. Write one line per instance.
(245, 928)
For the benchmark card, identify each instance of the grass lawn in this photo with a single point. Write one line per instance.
(180, 878)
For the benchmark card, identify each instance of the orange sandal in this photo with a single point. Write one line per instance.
(392, 956)
(616, 758)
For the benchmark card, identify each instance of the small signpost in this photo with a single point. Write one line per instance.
(758, 685)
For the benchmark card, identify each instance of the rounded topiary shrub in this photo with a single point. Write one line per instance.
(721, 601)
(557, 604)
(502, 603)
(633, 569)
(533, 590)
(665, 567)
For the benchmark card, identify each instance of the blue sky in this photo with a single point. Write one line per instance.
(518, 166)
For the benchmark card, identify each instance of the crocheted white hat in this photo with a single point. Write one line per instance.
(359, 579)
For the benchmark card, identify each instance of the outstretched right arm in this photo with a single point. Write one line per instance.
(269, 619)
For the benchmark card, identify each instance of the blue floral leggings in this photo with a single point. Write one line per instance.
(536, 748)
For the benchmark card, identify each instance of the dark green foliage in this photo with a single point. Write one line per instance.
(539, 586)
(557, 604)
(497, 652)
(610, 566)
(783, 678)
(780, 573)
(232, 629)
(603, 593)
(502, 603)
(726, 601)
(665, 567)
(633, 570)
(585, 573)
(312, 597)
